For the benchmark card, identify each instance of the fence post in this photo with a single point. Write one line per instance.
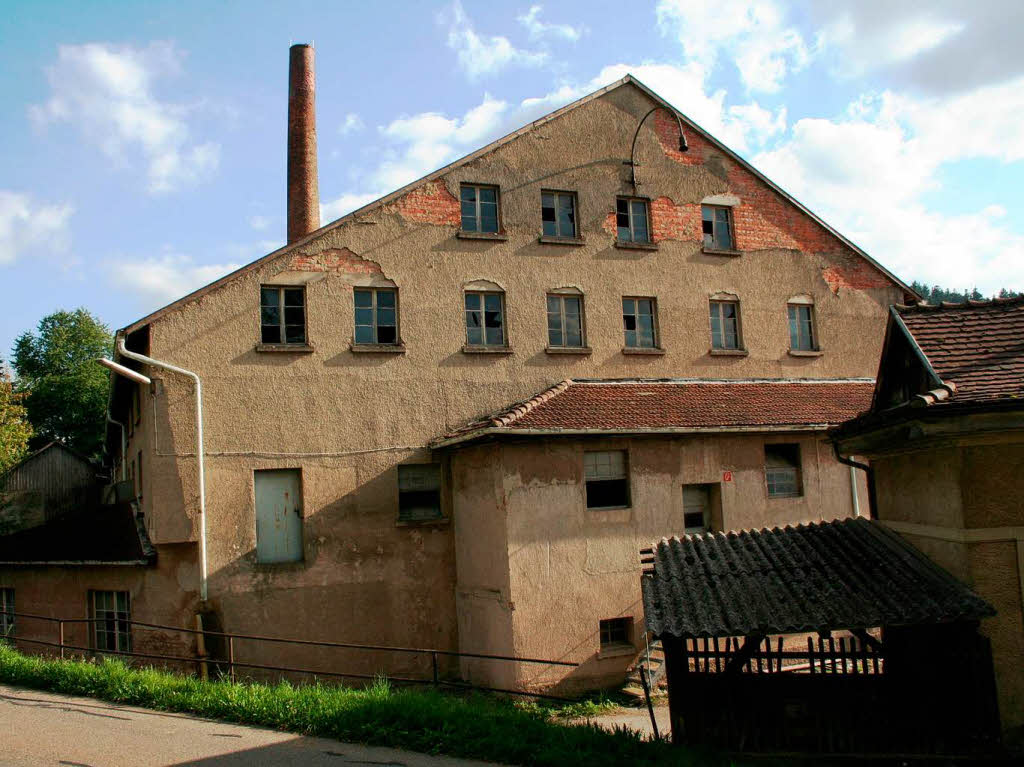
(204, 673)
(231, 657)
(433, 663)
(60, 631)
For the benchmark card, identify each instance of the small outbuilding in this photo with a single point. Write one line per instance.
(828, 638)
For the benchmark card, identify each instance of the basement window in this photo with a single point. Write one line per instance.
(558, 214)
(111, 621)
(419, 492)
(6, 613)
(282, 315)
(615, 632)
(376, 315)
(782, 470)
(607, 479)
(716, 222)
(632, 222)
(479, 208)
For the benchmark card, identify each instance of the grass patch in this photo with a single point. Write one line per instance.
(425, 720)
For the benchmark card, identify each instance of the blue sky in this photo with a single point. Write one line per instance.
(143, 144)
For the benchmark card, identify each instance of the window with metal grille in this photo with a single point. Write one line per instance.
(632, 221)
(565, 321)
(111, 630)
(6, 613)
(782, 470)
(801, 328)
(725, 325)
(485, 319)
(639, 322)
(282, 315)
(615, 632)
(607, 479)
(419, 492)
(376, 315)
(479, 208)
(716, 222)
(558, 214)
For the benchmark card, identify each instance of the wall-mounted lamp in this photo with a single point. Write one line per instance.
(632, 152)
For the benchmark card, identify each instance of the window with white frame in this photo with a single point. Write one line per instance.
(607, 478)
(639, 323)
(282, 315)
(6, 613)
(111, 616)
(479, 206)
(632, 220)
(802, 333)
(485, 318)
(565, 321)
(716, 222)
(419, 492)
(725, 325)
(558, 214)
(782, 470)
(376, 315)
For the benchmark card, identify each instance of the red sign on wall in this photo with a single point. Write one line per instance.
(727, 476)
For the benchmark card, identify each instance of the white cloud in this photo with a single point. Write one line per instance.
(259, 223)
(107, 91)
(480, 56)
(158, 280)
(755, 36)
(538, 29)
(351, 124)
(30, 227)
(346, 203)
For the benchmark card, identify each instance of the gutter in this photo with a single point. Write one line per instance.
(868, 472)
(122, 350)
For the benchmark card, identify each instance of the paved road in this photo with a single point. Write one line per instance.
(38, 729)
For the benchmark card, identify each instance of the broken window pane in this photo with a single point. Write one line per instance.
(485, 319)
(639, 323)
(632, 220)
(716, 224)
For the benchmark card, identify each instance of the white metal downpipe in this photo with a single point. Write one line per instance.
(203, 591)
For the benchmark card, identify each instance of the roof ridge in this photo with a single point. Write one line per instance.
(678, 381)
(517, 411)
(971, 303)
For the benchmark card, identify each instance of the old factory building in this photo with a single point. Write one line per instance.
(452, 418)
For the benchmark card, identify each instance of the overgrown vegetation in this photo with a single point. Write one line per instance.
(15, 430)
(424, 720)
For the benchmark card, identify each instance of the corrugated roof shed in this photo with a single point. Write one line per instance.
(845, 574)
(578, 405)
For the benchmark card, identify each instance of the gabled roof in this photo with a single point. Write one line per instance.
(674, 405)
(975, 349)
(54, 445)
(369, 207)
(96, 535)
(847, 574)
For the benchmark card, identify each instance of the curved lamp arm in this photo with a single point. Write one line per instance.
(632, 152)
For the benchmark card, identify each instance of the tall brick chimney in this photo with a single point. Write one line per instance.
(303, 191)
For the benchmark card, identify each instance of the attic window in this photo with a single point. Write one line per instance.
(282, 315)
(558, 214)
(782, 470)
(716, 222)
(376, 315)
(632, 222)
(479, 208)
(802, 335)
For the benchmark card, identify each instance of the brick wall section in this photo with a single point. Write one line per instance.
(334, 260)
(674, 222)
(430, 203)
(764, 219)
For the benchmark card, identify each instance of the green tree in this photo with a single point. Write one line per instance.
(15, 430)
(66, 391)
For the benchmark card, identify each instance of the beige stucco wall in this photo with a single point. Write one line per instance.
(348, 419)
(968, 496)
(568, 567)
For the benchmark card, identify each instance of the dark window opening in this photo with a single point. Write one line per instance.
(558, 214)
(376, 315)
(479, 208)
(631, 220)
(615, 632)
(419, 492)
(716, 223)
(782, 470)
(607, 479)
(282, 315)
(696, 509)
(485, 319)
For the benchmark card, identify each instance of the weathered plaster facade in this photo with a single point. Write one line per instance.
(348, 418)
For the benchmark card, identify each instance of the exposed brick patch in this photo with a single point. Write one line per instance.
(667, 130)
(854, 273)
(430, 203)
(609, 224)
(334, 260)
(674, 222)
